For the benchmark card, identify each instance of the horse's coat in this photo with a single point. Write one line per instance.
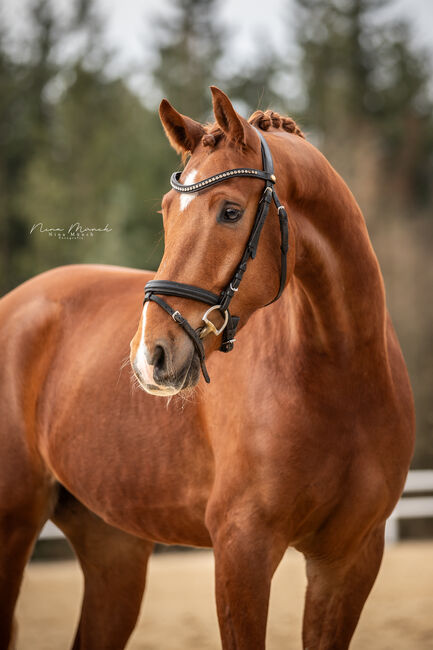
(303, 437)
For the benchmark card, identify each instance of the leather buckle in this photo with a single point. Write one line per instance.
(177, 316)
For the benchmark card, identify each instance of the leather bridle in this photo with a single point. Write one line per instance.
(156, 288)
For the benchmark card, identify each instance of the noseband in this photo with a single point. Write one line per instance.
(156, 288)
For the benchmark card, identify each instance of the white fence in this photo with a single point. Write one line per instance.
(409, 507)
(412, 507)
(50, 531)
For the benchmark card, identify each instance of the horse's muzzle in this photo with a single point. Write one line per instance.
(163, 371)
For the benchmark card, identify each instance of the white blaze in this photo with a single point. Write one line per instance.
(185, 199)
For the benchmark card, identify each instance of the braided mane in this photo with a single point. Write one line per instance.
(263, 120)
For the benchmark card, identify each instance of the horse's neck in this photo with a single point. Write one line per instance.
(335, 302)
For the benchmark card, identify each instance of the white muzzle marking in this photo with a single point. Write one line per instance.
(143, 370)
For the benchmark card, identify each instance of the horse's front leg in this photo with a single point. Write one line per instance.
(247, 553)
(336, 593)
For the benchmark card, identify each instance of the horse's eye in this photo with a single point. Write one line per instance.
(230, 214)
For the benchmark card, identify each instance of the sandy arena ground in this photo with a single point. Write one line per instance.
(179, 614)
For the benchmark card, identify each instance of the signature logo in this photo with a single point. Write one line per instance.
(74, 231)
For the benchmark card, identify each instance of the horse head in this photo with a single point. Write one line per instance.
(215, 236)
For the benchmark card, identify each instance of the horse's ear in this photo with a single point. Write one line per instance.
(234, 126)
(183, 133)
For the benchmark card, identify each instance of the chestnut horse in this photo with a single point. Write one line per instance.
(303, 437)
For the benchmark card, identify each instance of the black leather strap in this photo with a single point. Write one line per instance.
(180, 290)
(284, 246)
(229, 334)
(267, 160)
(253, 240)
(250, 249)
(177, 316)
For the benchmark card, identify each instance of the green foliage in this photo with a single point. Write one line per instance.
(362, 76)
(256, 87)
(23, 117)
(103, 166)
(190, 44)
(93, 155)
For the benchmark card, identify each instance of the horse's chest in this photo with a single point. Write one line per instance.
(145, 473)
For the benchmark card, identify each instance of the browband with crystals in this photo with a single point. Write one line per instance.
(217, 178)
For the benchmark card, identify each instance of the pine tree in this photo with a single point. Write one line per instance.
(360, 75)
(24, 115)
(189, 47)
(28, 135)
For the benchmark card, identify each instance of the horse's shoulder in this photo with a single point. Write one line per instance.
(38, 309)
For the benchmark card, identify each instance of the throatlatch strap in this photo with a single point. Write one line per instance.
(229, 334)
(284, 232)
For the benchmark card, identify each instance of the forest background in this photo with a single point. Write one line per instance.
(80, 143)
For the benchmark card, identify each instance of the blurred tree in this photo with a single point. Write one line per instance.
(191, 56)
(24, 115)
(362, 76)
(76, 147)
(107, 163)
(30, 76)
(335, 61)
(404, 110)
(189, 44)
(256, 86)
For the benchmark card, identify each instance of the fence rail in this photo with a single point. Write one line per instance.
(409, 506)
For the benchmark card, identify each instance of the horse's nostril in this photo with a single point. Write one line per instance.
(159, 357)
(159, 362)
